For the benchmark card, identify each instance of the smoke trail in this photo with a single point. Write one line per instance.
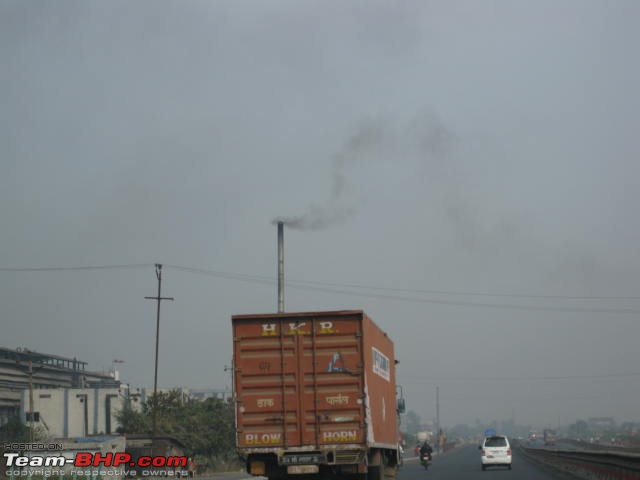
(368, 142)
(375, 140)
(431, 137)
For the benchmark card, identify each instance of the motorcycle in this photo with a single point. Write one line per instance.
(425, 460)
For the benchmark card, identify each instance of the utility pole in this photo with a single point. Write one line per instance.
(30, 398)
(158, 299)
(30, 414)
(438, 419)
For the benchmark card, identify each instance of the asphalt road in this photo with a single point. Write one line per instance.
(460, 464)
(464, 464)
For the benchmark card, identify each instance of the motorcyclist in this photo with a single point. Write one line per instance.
(425, 455)
(426, 449)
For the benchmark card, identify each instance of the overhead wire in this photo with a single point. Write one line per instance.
(469, 293)
(414, 379)
(291, 282)
(339, 289)
(75, 268)
(301, 285)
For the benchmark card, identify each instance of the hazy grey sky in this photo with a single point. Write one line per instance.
(473, 147)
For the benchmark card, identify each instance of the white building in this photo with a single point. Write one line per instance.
(75, 412)
(24, 369)
(82, 412)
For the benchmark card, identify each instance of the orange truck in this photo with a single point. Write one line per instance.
(315, 395)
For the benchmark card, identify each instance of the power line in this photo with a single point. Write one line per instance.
(515, 379)
(291, 282)
(87, 267)
(338, 288)
(468, 293)
(300, 285)
(502, 306)
(267, 279)
(229, 275)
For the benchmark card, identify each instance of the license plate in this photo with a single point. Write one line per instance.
(302, 469)
(312, 459)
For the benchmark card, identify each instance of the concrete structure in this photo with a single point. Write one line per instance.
(598, 424)
(23, 369)
(75, 412)
(80, 412)
(66, 399)
(187, 394)
(204, 393)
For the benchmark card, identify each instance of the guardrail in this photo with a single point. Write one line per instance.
(583, 445)
(589, 464)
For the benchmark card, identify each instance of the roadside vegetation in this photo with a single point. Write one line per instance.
(206, 428)
(14, 431)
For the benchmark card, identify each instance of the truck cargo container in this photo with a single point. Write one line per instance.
(315, 394)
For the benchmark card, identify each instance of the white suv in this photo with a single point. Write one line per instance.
(495, 451)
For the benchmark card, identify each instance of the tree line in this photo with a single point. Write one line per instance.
(206, 428)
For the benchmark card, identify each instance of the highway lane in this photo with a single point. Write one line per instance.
(460, 464)
(464, 464)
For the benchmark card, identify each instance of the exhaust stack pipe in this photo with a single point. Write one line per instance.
(280, 267)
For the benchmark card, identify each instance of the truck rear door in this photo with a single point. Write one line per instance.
(299, 380)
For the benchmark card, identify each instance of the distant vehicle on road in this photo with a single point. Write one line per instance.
(549, 436)
(495, 451)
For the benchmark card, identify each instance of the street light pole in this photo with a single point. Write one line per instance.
(158, 299)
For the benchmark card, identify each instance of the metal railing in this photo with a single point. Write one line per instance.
(589, 464)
